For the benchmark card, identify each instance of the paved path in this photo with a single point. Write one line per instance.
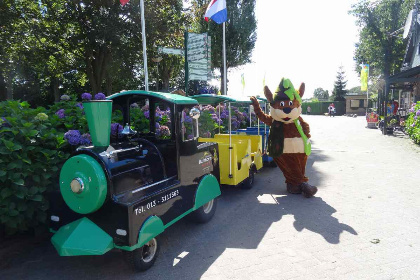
(364, 223)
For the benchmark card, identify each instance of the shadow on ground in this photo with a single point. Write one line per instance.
(188, 250)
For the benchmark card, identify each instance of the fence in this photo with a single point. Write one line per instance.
(320, 108)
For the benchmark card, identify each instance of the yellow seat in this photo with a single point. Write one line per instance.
(256, 145)
(240, 161)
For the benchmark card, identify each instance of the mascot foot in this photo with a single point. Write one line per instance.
(294, 189)
(308, 190)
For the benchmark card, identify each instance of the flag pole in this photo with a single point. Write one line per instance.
(224, 60)
(367, 92)
(143, 34)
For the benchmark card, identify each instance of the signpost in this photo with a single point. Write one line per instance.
(198, 57)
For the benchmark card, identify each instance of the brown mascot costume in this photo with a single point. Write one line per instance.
(288, 141)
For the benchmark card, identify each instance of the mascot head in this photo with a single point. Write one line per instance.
(285, 105)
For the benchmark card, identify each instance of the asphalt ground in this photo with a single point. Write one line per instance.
(364, 222)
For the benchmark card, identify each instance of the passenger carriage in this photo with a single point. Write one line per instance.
(240, 154)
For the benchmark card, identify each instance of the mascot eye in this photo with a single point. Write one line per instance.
(290, 103)
(282, 103)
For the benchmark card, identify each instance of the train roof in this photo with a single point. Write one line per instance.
(169, 97)
(215, 99)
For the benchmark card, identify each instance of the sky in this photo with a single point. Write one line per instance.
(303, 40)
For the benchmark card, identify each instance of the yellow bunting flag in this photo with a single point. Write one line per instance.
(364, 77)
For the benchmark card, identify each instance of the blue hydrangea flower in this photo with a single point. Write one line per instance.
(86, 96)
(60, 114)
(188, 119)
(116, 129)
(85, 139)
(73, 137)
(100, 96)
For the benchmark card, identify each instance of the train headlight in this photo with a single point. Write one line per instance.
(77, 185)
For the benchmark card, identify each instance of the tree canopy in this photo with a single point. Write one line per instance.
(54, 47)
(321, 94)
(380, 42)
(240, 32)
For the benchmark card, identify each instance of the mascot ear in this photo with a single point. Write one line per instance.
(268, 94)
(301, 89)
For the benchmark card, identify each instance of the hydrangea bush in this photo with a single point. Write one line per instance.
(412, 123)
(31, 152)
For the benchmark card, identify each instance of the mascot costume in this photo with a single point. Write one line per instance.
(288, 141)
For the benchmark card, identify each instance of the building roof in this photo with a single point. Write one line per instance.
(169, 97)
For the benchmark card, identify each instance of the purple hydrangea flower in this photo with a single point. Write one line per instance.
(134, 105)
(224, 115)
(116, 129)
(163, 131)
(207, 134)
(85, 139)
(73, 137)
(188, 119)
(157, 126)
(190, 136)
(418, 113)
(80, 105)
(100, 96)
(86, 96)
(145, 108)
(60, 114)
(146, 114)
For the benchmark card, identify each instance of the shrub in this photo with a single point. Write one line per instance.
(412, 123)
(31, 150)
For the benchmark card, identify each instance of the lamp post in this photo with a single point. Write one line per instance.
(157, 60)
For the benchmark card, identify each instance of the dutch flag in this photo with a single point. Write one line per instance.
(216, 11)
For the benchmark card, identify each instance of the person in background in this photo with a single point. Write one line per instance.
(308, 110)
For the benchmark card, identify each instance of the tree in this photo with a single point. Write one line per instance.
(340, 86)
(321, 94)
(52, 47)
(377, 45)
(240, 32)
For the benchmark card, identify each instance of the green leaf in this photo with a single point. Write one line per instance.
(32, 133)
(14, 165)
(2, 173)
(6, 192)
(33, 190)
(36, 178)
(9, 144)
(37, 197)
(19, 182)
(26, 160)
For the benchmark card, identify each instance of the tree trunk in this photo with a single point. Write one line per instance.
(55, 84)
(108, 83)
(9, 85)
(166, 74)
(97, 63)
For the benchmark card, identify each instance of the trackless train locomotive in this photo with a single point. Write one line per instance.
(123, 193)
